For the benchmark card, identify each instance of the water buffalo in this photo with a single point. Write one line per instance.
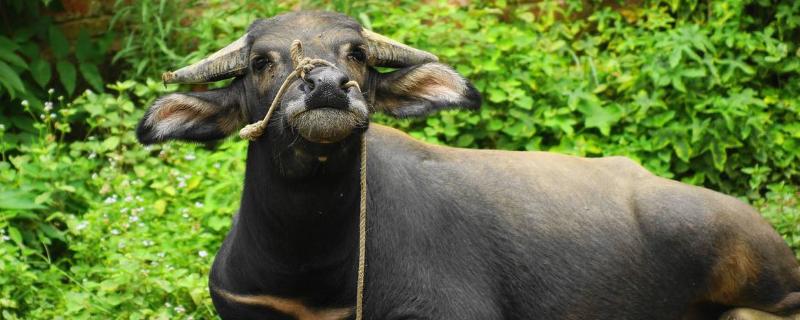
(452, 233)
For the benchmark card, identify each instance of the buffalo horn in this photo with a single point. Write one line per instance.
(226, 63)
(385, 52)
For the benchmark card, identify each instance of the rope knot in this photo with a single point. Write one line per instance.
(303, 65)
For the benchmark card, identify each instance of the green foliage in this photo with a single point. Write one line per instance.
(162, 35)
(93, 225)
(701, 92)
(781, 208)
(103, 227)
(37, 61)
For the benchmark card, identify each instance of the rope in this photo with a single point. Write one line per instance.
(362, 231)
(302, 67)
(254, 130)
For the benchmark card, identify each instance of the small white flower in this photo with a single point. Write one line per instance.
(82, 225)
(115, 232)
(89, 92)
(60, 98)
(4, 238)
(121, 244)
(147, 243)
(189, 157)
(202, 253)
(167, 304)
(111, 199)
(2, 127)
(94, 176)
(41, 116)
(51, 91)
(25, 103)
(134, 218)
(139, 198)
(180, 309)
(53, 115)
(161, 254)
(217, 165)
(128, 198)
(198, 204)
(48, 106)
(181, 184)
(92, 155)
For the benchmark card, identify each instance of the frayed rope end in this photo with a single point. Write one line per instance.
(252, 131)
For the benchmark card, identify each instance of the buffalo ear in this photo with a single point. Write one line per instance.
(421, 89)
(193, 116)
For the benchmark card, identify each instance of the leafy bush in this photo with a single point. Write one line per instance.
(106, 228)
(699, 91)
(37, 62)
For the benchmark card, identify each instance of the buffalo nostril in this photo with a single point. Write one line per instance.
(308, 85)
(343, 82)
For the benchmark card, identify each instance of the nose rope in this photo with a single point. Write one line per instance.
(252, 131)
(303, 66)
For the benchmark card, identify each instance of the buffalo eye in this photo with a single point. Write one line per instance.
(357, 54)
(260, 63)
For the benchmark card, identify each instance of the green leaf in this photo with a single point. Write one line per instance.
(41, 72)
(600, 117)
(12, 58)
(497, 95)
(18, 200)
(15, 235)
(110, 143)
(682, 148)
(694, 73)
(465, 140)
(677, 83)
(675, 57)
(58, 43)
(497, 124)
(67, 74)
(83, 47)
(8, 44)
(10, 80)
(524, 102)
(217, 223)
(718, 155)
(92, 75)
(51, 232)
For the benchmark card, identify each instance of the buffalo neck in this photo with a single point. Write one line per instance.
(300, 203)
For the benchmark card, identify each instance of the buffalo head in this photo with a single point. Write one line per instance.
(316, 112)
